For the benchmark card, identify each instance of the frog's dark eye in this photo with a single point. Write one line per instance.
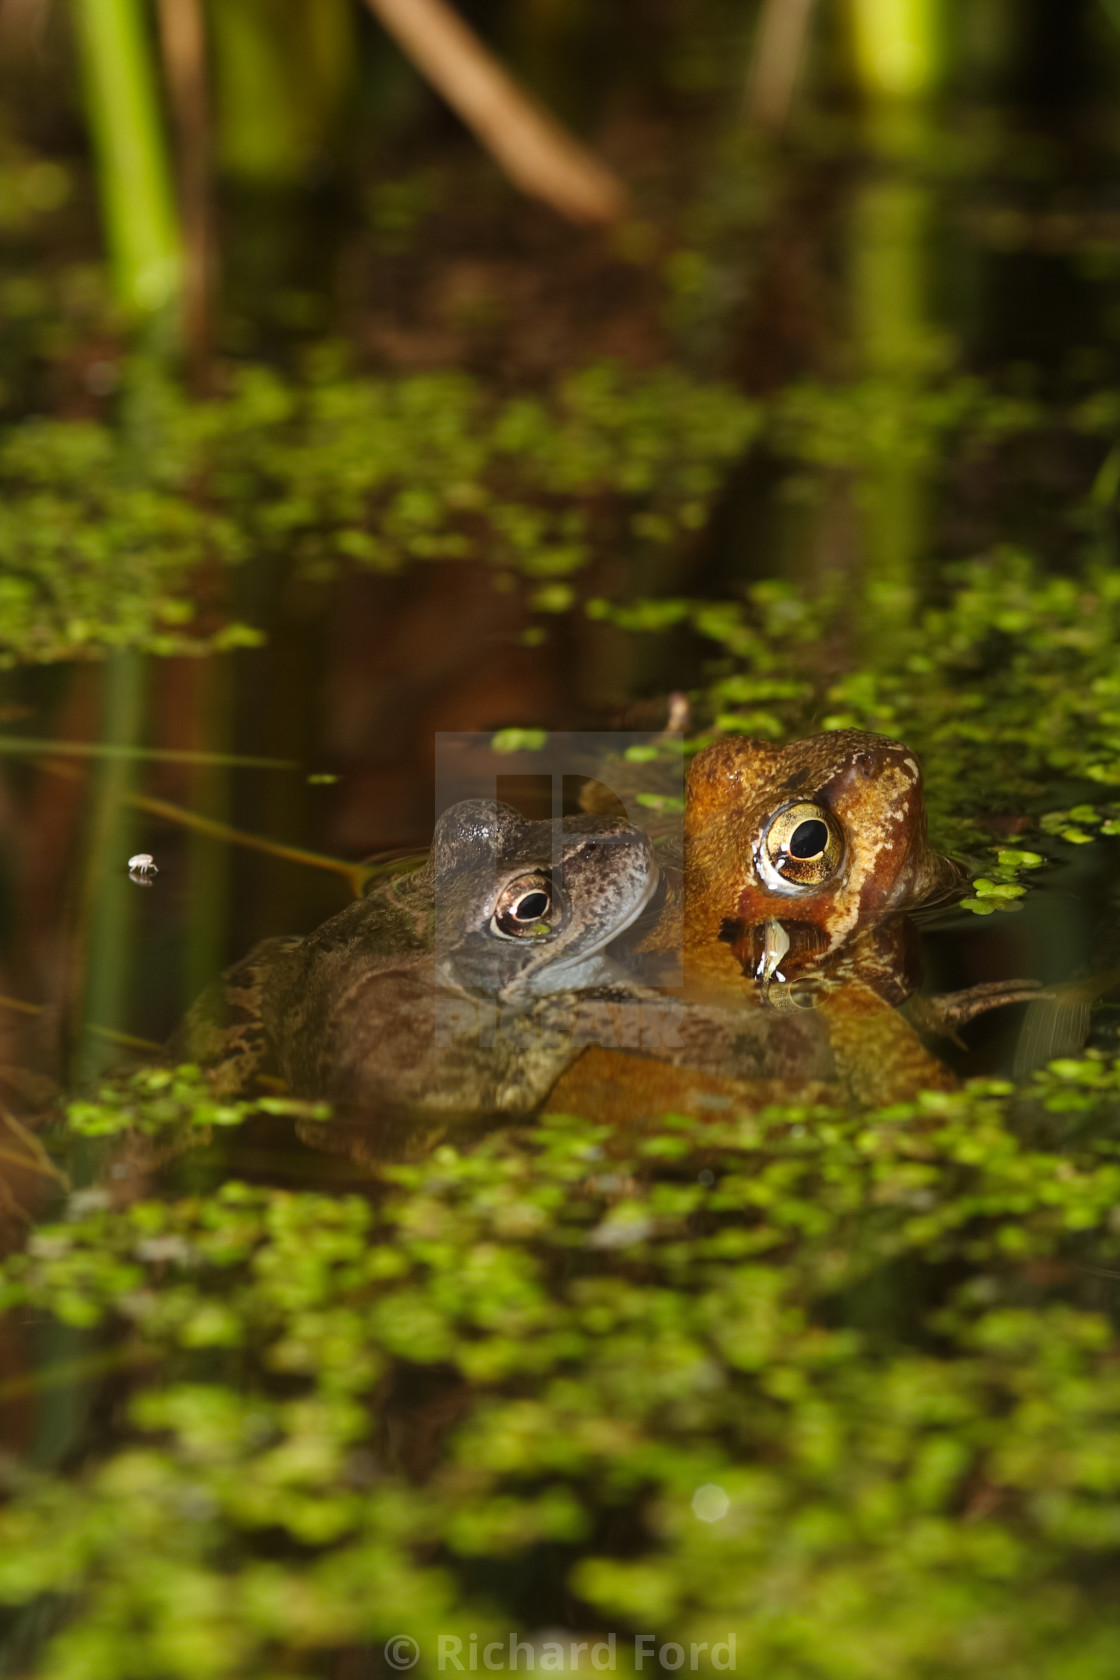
(802, 847)
(525, 908)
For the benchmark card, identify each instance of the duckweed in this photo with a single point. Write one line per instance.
(1004, 679)
(1000, 713)
(162, 1100)
(109, 533)
(842, 1387)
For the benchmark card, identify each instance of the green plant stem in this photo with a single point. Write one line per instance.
(282, 75)
(897, 46)
(110, 896)
(133, 171)
(889, 284)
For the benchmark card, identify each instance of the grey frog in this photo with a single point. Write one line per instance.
(448, 992)
(527, 909)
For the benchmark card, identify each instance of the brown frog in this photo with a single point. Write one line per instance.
(800, 863)
(793, 853)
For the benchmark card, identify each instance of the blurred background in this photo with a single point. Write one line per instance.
(376, 368)
(368, 370)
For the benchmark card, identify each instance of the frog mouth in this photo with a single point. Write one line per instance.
(775, 949)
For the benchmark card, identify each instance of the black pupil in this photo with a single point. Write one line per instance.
(532, 907)
(808, 839)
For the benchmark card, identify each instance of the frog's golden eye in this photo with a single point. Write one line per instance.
(802, 847)
(525, 908)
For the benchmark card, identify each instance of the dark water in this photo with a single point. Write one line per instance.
(347, 744)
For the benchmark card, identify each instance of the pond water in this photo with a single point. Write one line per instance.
(817, 1392)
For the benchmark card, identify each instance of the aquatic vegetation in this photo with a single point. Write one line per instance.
(1001, 674)
(91, 555)
(110, 539)
(1007, 688)
(841, 1386)
(162, 1101)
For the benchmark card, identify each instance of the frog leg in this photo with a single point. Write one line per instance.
(879, 1057)
(616, 1087)
(223, 1030)
(944, 1014)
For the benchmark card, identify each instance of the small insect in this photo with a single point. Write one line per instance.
(142, 864)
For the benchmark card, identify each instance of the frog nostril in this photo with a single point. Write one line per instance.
(587, 848)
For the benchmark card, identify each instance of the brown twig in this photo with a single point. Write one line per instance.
(11, 1159)
(356, 874)
(23, 1008)
(779, 45)
(40, 1161)
(77, 1370)
(128, 1040)
(533, 149)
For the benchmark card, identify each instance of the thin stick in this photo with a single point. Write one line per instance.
(354, 873)
(76, 1370)
(40, 1158)
(779, 47)
(161, 755)
(23, 1008)
(183, 41)
(535, 151)
(15, 1160)
(129, 1040)
(12, 1159)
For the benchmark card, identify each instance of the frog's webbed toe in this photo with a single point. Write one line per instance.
(1059, 1020)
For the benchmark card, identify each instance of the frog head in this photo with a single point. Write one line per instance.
(525, 908)
(791, 851)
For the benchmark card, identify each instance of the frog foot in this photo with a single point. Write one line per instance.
(943, 1015)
